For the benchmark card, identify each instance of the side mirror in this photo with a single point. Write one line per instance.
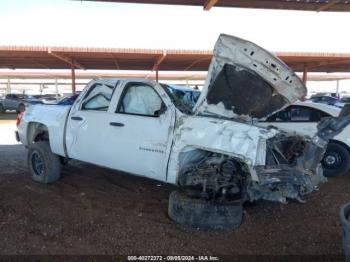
(159, 112)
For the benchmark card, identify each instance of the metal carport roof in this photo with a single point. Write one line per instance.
(304, 5)
(36, 57)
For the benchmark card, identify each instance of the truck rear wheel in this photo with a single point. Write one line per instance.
(204, 215)
(44, 166)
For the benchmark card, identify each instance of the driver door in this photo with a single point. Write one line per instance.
(130, 129)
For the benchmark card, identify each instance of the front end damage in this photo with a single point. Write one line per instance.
(293, 163)
(219, 151)
(288, 172)
(273, 166)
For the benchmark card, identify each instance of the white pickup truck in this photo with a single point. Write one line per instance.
(213, 150)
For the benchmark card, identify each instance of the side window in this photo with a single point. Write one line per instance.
(317, 115)
(281, 116)
(98, 98)
(300, 114)
(140, 99)
(8, 97)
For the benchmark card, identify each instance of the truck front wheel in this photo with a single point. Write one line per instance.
(204, 215)
(44, 166)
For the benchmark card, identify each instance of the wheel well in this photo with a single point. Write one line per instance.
(212, 174)
(37, 132)
(192, 155)
(341, 144)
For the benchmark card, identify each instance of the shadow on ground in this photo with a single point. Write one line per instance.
(8, 116)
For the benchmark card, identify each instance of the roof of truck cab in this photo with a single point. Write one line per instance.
(88, 58)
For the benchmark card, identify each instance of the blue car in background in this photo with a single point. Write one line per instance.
(68, 100)
(184, 97)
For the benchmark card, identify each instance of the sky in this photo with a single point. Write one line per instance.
(93, 24)
(98, 24)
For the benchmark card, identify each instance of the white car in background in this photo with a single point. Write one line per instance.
(303, 117)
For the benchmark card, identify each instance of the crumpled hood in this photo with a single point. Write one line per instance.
(246, 81)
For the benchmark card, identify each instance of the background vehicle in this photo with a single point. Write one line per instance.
(47, 98)
(303, 117)
(343, 101)
(65, 101)
(17, 102)
(328, 100)
(187, 97)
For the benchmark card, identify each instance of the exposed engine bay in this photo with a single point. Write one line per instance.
(214, 176)
(292, 168)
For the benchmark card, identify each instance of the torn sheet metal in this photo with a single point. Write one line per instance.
(239, 140)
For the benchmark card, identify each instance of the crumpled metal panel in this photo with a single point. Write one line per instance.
(231, 138)
(246, 56)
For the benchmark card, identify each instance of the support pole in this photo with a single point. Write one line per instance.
(157, 74)
(337, 89)
(56, 87)
(305, 74)
(8, 87)
(73, 79)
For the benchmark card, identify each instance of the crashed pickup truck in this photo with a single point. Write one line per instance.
(211, 147)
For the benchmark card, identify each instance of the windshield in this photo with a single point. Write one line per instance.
(184, 98)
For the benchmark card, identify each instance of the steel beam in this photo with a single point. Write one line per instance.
(66, 59)
(327, 5)
(305, 74)
(194, 63)
(209, 4)
(159, 61)
(157, 76)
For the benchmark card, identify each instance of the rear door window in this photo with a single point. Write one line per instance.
(98, 98)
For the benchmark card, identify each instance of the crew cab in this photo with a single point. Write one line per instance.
(212, 149)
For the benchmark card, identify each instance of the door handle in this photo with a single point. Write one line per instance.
(116, 124)
(78, 118)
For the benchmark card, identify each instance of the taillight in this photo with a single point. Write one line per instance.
(19, 118)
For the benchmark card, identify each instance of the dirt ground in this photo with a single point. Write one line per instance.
(93, 210)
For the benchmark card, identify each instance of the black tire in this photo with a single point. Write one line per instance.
(336, 160)
(21, 108)
(44, 166)
(2, 109)
(204, 215)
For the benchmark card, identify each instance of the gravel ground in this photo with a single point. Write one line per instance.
(94, 210)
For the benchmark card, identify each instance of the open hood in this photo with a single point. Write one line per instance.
(246, 81)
